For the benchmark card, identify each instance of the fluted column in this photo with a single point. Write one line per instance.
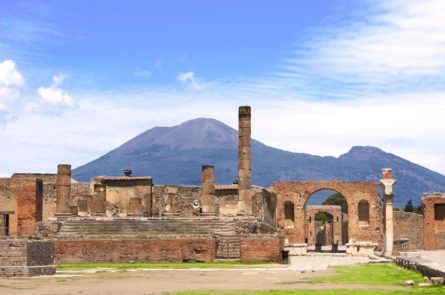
(244, 161)
(387, 182)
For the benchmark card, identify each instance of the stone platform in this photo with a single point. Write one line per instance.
(429, 263)
(22, 257)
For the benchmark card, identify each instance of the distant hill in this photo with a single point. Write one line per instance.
(174, 155)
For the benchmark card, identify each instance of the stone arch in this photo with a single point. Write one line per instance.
(300, 192)
(337, 223)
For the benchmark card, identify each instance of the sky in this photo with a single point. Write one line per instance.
(79, 78)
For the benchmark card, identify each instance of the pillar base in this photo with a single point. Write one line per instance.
(360, 248)
(296, 249)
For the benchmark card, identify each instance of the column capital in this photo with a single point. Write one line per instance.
(387, 185)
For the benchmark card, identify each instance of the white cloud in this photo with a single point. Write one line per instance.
(9, 76)
(393, 46)
(397, 124)
(189, 79)
(373, 66)
(10, 80)
(7, 95)
(54, 95)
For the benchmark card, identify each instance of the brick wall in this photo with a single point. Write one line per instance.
(13, 252)
(300, 192)
(27, 193)
(124, 250)
(260, 249)
(408, 226)
(434, 221)
(21, 257)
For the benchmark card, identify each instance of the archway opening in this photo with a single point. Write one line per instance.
(326, 221)
(289, 214)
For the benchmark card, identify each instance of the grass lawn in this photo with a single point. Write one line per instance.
(127, 265)
(389, 275)
(372, 274)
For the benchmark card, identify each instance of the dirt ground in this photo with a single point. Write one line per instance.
(164, 281)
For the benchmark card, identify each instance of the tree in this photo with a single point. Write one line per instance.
(409, 207)
(323, 216)
(337, 199)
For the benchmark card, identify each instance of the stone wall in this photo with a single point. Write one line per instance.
(21, 257)
(173, 199)
(408, 231)
(298, 193)
(227, 200)
(434, 221)
(124, 250)
(257, 248)
(78, 191)
(21, 200)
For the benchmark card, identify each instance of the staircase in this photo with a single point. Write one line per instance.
(147, 227)
(227, 230)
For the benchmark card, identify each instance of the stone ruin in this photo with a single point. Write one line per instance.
(128, 218)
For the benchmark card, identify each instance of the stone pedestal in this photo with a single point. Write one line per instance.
(63, 190)
(360, 248)
(23, 257)
(208, 198)
(295, 250)
(244, 161)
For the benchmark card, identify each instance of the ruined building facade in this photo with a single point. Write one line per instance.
(122, 218)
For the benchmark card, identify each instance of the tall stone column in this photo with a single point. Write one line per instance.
(63, 190)
(244, 161)
(387, 182)
(208, 190)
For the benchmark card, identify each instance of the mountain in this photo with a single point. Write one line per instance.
(174, 155)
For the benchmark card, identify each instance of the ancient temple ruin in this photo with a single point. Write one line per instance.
(130, 218)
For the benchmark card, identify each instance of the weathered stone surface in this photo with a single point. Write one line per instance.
(208, 198)
(135, 207)
(337, 224)
(63, 189)
(21, 257)
(408, 232)
(123, 250)
(257, 248)
(244, 161)
(434, 221)
(299, 193)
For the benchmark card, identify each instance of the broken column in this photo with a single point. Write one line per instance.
(244, 161)
(99, 198)
(63, 190)
(208, 190)
(387, 182)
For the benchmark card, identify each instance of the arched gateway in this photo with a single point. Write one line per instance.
(355, 193)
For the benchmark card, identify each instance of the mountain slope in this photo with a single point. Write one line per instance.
(174, 155)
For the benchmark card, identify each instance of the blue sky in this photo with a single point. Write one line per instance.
(78, 78)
